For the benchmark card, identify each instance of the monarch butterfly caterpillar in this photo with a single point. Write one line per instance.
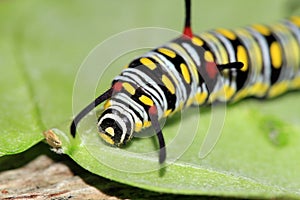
(218, 65)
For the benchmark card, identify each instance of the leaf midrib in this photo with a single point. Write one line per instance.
(18, 53)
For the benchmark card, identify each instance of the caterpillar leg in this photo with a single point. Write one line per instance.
(160, 137)
(233, 65)
(88, 108)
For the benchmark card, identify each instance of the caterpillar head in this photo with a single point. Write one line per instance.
(114, 127)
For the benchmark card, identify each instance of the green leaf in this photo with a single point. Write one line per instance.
(20, 117)
(42, 45)
(244, 163)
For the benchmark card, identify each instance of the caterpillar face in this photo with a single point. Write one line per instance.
(114, 127)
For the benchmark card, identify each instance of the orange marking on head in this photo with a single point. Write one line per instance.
(211, 69)
(153, 110)
(188, 32)
(117, 87)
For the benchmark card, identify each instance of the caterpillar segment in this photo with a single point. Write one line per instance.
(218, 65)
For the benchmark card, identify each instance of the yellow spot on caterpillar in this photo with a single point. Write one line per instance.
(138, 126)
(179, 107)
(167, 52)
(242, 57)
(147, 123)
(110, 131)
(126, 66)
(107, 104)
(129, 88)
(278, 89)
(241, 94)
(200, 97)
(106, 138)
(194, 71)
(212, 97)
(189, 102)
(229, 92)
(197, 41)
(227, 33)
(185, 73)
(296, 20)
(262, 29)
(148, 63)
(222, 56)
(295, 84)
(181, 104)
(167, 112)
(146, 100)
(224, 93)
(276, 55)
(259, 89)
(208, 56)
(168, 84)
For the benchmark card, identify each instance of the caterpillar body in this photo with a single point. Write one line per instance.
(218, 65)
